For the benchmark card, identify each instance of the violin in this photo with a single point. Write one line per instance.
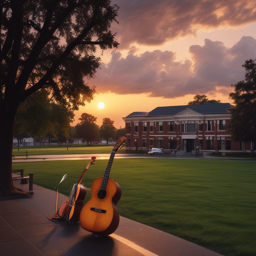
(71, 208)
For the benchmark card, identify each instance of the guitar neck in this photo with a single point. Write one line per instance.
(81, 177)
(107, 172)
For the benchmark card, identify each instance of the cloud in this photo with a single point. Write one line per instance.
(214, 68)
(150, 22)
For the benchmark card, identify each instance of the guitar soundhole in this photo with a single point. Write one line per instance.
(102, 194)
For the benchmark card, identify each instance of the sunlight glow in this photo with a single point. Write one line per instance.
(101, 105)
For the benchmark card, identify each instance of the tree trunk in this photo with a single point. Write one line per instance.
(6, 144)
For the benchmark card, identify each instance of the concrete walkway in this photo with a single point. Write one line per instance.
(38, 158)
(26, 230)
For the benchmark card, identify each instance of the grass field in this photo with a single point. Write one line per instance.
(211, 203)
(60, 150)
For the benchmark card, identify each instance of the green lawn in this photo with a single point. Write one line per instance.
(60, 150)
(211, 203)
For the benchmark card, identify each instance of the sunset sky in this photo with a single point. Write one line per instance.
(171, 50)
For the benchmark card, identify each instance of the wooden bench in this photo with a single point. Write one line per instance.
(23, 179)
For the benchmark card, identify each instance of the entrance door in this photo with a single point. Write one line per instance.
(190, 145)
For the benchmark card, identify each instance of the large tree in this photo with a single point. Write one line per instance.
(202, 99)
(242, 125)
(107, 129)
(87, 128)
(47, 44)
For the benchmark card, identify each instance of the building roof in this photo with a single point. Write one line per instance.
(217, 108)
(137, 114)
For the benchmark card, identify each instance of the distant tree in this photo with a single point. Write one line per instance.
(120, 133)
(60, 120)
(202, 99)
(87, 128)
(72, 131)
(38, 118)
(47, 44)
(107, 129)
(33, 116)
(242, 126)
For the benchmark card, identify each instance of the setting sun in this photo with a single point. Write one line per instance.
(101, 105)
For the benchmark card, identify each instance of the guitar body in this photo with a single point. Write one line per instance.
(64, 209)
(79, 194)
(100, 215)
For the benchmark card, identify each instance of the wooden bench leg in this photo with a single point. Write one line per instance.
(31, 181)
(22, 181)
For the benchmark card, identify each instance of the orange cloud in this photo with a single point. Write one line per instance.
(156, 22)
(158, 74)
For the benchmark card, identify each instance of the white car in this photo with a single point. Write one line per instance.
(155, 151)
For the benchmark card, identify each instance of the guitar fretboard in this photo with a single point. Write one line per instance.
(107, 172)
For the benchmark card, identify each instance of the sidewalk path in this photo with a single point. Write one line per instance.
(38, 158)
(26, 230)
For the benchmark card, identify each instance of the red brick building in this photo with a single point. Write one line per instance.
(189, 127)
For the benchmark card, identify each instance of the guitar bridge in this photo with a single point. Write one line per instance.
(98, 210)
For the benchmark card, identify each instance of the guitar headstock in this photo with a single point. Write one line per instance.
(93, 158)
(119, 144)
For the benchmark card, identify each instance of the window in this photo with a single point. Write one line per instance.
(160, 126)
(221, 143)
(136, 127)
(209, 144)
(200, 127)
(151, 142)
(144, 127)
(209, 125)
(128, 143)
(151, 127)
(160, 143)
(228, 144)
(200, 144)
(171, 127)
(222, 125)
(128, 127)
(173, 144)
(190, 127)
(144, 143)
(183, 128)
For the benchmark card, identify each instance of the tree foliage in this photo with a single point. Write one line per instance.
(121, 132)
(38, 117)
(48, 44)
(243, 122)
(107, 129)
(202, 99)
(87, 128)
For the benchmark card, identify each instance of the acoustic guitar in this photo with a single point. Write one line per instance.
(71, 208)
(100, 214)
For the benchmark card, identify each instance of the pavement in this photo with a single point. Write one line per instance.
(26, 230)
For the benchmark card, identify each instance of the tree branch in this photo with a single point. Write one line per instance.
(90, 42)
(43, 39)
